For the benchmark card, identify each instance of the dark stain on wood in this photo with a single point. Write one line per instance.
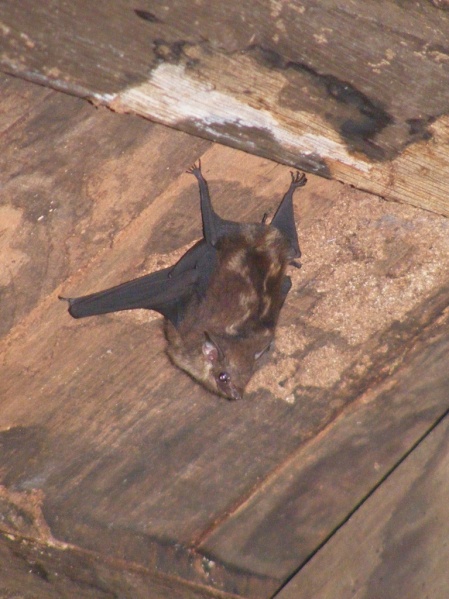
(359, 120)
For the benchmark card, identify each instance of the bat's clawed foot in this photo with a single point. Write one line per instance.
(298, 179)
(195, 169)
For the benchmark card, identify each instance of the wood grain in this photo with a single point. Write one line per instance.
(296, 83)
(32, 570)
(66, 186)
(282, 525)
(395, 545)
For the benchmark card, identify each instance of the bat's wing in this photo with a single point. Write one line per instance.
(200, 258)
(214, 227)
(284, 218)
(157, 291)
(167, 291)
(170, 290)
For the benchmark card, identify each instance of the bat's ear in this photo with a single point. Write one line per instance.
(172, 334)
(211, 348)
(260, 353)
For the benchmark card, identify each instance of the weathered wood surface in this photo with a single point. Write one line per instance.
(331, 475)
(33, 570)
(108, 450)
(295, 82)
(395, 545)
(71, 179)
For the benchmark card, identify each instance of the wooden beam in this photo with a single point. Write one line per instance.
(298, 83)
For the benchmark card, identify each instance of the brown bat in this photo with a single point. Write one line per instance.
(221, 301)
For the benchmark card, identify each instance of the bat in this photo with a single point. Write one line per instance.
(221, 301)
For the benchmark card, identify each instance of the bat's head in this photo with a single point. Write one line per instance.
(230, 362)
(223, 364)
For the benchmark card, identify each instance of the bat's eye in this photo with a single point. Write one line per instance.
(224, 377)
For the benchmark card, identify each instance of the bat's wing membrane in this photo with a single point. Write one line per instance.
(214, 227)
(167, 291)
(157, 291)
(284, 218)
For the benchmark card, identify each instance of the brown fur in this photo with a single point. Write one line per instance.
(240, 310)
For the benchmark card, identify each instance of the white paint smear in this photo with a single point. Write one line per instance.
(172, 96)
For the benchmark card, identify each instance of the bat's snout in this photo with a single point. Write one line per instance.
(235, 393)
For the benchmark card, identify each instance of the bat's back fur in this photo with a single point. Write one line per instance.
(238, 314)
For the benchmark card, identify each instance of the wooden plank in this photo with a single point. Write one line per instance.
(395, 545)
(32, 570)
(123, 451)
(279, 527)
(17, 99)
(296, 83)
(63, 180)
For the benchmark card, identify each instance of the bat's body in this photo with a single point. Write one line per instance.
(222, 300)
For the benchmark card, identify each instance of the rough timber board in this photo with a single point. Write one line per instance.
(331, 475)
(17, 100)
(31, 570)
(111, 445)
(395, 545)
(70, 173)
(295, 82)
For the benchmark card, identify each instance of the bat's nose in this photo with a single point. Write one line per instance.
(235, 393)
